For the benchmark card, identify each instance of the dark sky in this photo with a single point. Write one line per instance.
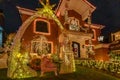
(12, 17)
(107, 13)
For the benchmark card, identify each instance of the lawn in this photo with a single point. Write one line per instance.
(81, 73)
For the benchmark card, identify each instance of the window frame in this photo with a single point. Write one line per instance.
(32, 47)
(48, 26)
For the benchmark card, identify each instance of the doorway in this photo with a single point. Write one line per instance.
(76, 49)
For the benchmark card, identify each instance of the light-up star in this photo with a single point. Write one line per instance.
(47, 7)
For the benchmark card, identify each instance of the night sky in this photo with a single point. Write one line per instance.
(107, 13)
(11, 13)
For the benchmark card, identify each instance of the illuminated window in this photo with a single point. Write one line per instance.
(94, 35)
(42, 26)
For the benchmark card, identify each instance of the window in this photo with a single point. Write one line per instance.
(41, 26)
(74, 24)
(37, 46)
(94, 34)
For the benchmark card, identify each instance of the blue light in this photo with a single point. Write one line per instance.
(1, 36)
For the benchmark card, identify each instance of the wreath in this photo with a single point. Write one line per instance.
(35, 64)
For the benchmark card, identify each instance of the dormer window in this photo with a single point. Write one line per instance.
(41, 26)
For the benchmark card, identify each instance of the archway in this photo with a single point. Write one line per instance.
(15, 56)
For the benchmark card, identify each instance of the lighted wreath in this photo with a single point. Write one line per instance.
(35, 64)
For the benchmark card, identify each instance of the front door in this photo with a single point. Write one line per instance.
(76, 49)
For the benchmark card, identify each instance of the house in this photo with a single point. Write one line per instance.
(83, 34)
(53, 31)
(114, 48)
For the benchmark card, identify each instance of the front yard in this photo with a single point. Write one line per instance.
(82, 73)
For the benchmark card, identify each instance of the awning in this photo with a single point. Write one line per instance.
(83, 7)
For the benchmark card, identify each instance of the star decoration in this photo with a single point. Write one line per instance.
(46, 5)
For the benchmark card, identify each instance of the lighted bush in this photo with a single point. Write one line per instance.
(113, 67)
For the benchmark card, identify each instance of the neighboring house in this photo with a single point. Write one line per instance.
(115, 46)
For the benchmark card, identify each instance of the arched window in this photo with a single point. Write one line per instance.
(41, 26)
(94, 34)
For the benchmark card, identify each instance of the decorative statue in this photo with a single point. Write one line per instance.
(66, 55)
(90, 48)
(74, 24)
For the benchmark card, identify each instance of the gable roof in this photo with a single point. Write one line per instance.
(83, 7)
(41, 12)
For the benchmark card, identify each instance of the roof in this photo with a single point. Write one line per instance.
(101, 46)
(26, 11)
(96, 26)
(31, 12)
(83, 7)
